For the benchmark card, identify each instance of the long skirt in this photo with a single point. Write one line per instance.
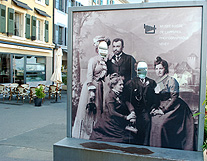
(174, 129)
(111, 129)
(84, 120)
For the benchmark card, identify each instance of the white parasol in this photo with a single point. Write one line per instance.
(57, 75)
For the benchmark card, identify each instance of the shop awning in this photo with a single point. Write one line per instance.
(43, 13)
(21, 4)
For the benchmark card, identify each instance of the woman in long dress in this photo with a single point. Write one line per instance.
(90, 105)
(117, 115)
(172, 122)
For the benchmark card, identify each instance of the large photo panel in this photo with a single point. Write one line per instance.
(136, 76)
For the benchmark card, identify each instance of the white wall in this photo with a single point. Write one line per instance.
(60, 18)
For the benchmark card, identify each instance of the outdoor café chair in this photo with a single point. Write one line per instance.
(3, 91)
(54, 91)
(32, 94)
(21, 92)
(12, 89)
(59, 89)
(26, 86)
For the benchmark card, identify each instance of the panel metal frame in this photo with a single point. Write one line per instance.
(202, 90)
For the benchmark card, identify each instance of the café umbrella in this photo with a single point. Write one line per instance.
(57, 75)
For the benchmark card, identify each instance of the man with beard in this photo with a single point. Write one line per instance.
(121, 63)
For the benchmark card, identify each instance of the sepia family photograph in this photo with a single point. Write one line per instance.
(136, 76)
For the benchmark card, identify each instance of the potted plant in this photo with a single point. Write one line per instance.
(205, 127)
(39, 95)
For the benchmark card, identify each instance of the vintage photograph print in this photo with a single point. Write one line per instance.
(136, 76)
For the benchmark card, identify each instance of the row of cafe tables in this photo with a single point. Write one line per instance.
(24, 90)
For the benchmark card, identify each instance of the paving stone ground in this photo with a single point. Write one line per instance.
(27, 132)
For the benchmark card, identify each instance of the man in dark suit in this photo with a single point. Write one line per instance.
(140, 92)
(120, 62)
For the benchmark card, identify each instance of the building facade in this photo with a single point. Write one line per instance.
(60, 27)
(26, 46)
(60, 30)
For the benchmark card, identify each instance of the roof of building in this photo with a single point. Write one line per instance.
(43, 13)
(21, 4)
(181, 68)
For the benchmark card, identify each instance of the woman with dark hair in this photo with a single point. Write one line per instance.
(90, 105)
(172, 121)
(117, 115)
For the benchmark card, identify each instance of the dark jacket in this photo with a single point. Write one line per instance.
(124, 67)
(141, 96)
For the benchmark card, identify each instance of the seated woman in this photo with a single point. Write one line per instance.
(117, 115)
(172, 121)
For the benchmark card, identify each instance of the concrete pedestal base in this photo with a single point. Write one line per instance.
(69, 149)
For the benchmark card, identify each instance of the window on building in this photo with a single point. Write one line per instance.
(98, 2)
(18, 24)
(56, 33)
(111, 1)
(60, 36)
(10, 22)
(27, 26)
(60, 4)
(67, 4)
(33, 28)
(42, 2)
(35, 68)
(57, 4)
(2, 18)
(66, 36)
(78, 4)
(46, 31)
(15, 68)
(18, 69)
(47, 2)
(39, 29)
(94, 2)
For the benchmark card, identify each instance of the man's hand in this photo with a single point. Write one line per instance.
(131, 116)
(155, 112)
(132, 121)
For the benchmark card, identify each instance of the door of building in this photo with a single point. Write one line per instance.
(5, 68)
(18, 69)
